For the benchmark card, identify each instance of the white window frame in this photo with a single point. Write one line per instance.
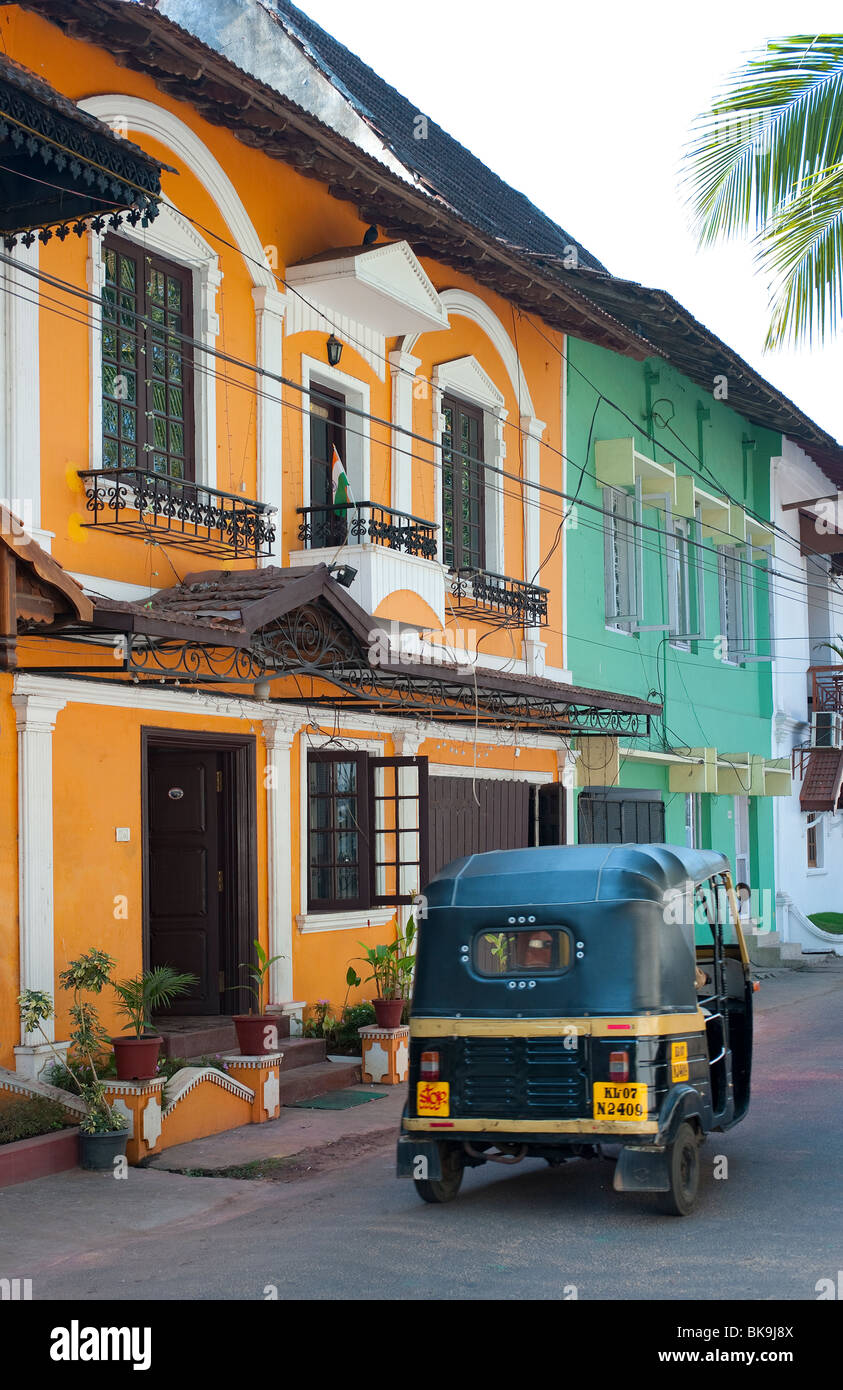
(621, 561)
(742, 840)
(679, 584)
(175, 239)
(465, 380)
(693, 815)
(733, 655)
(357, 430)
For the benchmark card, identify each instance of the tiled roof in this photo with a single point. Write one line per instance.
(823, 780)
(453, 173)
(442, 164)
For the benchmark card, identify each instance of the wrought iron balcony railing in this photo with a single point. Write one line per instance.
(131, 501)
(354, 522)
(497, 599)
(827, 691)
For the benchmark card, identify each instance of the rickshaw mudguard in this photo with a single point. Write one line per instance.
(644, 1167)
(641, 1168)
(417, 1157)
(681, 1103)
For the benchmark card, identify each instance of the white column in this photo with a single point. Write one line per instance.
(36, 720)
(20, 439)
(566, 763)
(534, 648)
(269, 314)
(278, 736)
(403, 373)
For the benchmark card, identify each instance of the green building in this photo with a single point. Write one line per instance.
(669, 553)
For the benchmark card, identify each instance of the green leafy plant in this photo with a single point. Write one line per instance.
(836, 647)
(153, 989)
(499, 948)
(765, 163)
(260, 976)
(88, 974)
(391, 964)
(29, 1117)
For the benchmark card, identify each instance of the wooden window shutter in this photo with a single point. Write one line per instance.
(398, 799)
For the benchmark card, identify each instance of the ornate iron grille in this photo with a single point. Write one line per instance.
(497, 599)
(131, 501)
(353, 522)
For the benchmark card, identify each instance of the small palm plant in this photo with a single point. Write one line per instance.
(151, 990)
(260, 976)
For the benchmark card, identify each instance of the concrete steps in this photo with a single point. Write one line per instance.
(767, 949)
(305, 1071)
(203, 1036)
(315, 1079)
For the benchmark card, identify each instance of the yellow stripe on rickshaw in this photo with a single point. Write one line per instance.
(586, 1125)
(634, 1026)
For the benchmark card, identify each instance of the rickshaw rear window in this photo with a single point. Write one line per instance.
(524, 951)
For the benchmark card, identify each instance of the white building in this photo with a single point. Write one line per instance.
(808, 611)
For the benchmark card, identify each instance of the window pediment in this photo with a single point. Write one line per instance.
(382, 286)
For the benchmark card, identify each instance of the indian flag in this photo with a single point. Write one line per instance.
(340, 486)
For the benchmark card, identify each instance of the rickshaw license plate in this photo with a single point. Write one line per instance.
(620, 1102)
(433, 1098)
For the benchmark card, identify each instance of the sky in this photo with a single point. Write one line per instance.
(587, 110)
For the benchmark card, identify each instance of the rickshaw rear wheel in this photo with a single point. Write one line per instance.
(444, 1189)
(683, 1171)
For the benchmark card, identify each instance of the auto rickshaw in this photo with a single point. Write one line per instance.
(569, 998)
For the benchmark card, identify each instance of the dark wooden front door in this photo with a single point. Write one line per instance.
(185, 870)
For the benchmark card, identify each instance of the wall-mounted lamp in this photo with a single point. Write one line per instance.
(263, 688)
(344, 574)
(333, 348)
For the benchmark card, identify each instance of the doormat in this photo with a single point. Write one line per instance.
(338, 1100)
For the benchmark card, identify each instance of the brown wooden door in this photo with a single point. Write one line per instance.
(185, 883)
(499, 817)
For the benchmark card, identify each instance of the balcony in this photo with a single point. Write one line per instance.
(155, 506)
(827, 688)
(321, 527)
(498, 599)
(393, 554)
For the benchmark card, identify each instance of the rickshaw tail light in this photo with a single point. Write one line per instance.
(429, 1066)
(618, 1066)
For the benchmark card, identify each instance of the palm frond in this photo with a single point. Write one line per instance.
(802, 251)
(777, 123)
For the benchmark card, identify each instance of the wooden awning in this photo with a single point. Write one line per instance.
(823, 780)
(35, 592)
(61, 167)
(299, 630)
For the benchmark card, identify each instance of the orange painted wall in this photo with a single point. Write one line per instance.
(297, 217)
(96, 750)
(97, 787)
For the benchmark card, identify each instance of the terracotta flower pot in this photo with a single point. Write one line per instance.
(257, 1034)
(136, 1058)
(388, 1012)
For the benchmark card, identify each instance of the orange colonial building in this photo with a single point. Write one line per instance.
(229, 708)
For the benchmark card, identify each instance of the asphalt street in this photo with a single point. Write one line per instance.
(770, 1230)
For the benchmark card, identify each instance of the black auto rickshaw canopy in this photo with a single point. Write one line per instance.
(620, 918)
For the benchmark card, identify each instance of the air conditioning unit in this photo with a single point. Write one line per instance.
(826, 729)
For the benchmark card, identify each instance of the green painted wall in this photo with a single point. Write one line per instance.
(707, 702)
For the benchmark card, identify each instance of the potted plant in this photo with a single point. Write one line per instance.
(257, 1033)
(102, 1131)
(136, 1057)
(392, 970)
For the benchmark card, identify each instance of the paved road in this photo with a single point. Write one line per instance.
(770, 1231)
